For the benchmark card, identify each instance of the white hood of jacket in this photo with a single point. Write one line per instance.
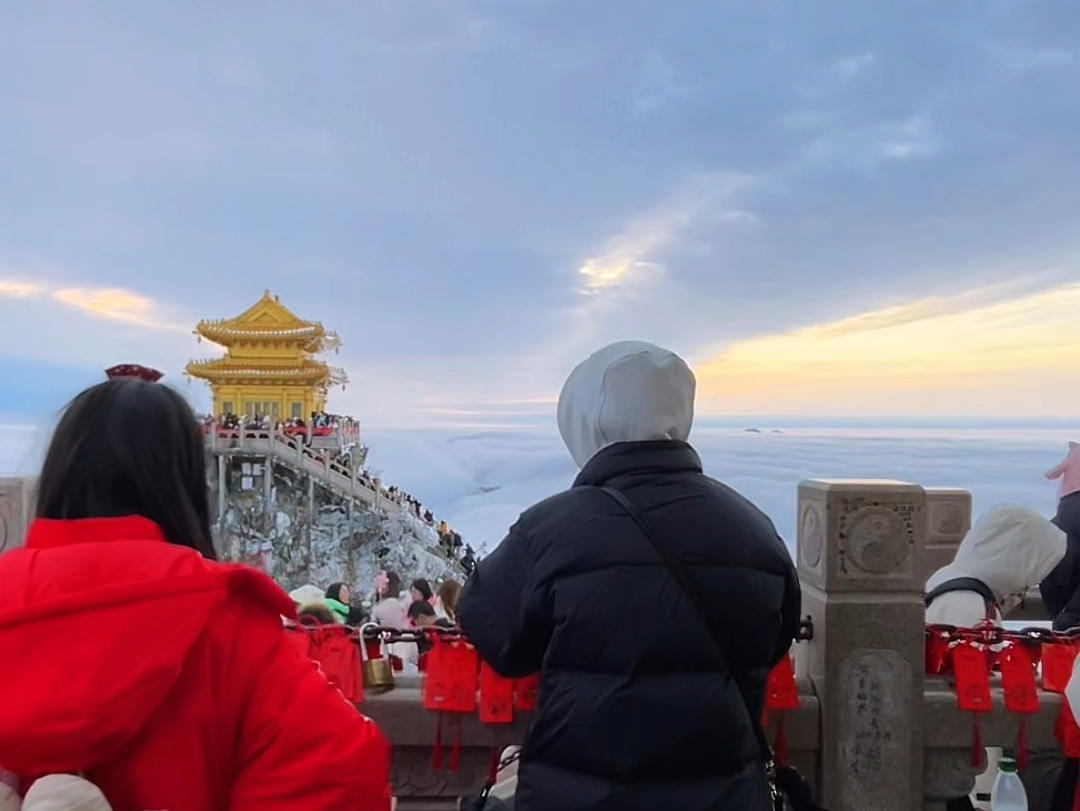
(1010, 549)
(308, 595)
(630, 391)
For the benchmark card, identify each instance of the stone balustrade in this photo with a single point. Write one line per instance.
(872, 731)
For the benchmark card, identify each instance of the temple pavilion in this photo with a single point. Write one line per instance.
(270, 366)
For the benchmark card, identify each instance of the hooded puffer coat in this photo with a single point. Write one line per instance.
(1061, 588)
(1010, 550)
(637, 710)
(168, 680)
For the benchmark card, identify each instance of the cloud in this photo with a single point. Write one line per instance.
(867, 146)
(993, 350)
(636, 247)
(658, 85)
(1022, 59)
(111, 304)
(481, 481)
(850, 66)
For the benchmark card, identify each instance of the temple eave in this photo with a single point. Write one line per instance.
(236, 373)
(306, 335)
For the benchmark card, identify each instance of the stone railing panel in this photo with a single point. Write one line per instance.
(948, 519)
(949, 770)
(411, 729)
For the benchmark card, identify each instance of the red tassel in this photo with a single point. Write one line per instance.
(455, 753)
(1022, 745)
(977, 748)
(781, 745)
(436, 755)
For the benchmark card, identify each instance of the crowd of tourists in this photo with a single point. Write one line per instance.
(652, 600)
(450, 542)
(388, 605)
(264, 422)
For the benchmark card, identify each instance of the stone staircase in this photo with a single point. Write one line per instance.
(314, 461)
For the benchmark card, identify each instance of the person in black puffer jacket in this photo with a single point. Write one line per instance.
(636, 710)
(1061, 589)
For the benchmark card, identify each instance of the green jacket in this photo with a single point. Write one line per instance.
(339, 609)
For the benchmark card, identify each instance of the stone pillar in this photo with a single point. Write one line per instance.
(223, 489)
(268, 477)
(16, 508)
(948, 519)
(861, 548)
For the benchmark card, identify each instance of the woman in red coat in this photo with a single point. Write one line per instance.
(130, 656)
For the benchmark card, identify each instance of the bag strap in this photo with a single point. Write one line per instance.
(679, 573)
(962, 584)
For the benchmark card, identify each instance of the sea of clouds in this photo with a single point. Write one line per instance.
(480, 480)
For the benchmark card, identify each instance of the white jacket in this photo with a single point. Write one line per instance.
(1010, 549)
(391, 613)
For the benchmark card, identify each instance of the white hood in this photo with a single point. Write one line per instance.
(1010, 549)
(308, 595)
(629, 391)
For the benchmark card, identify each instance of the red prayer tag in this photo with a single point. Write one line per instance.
(1018, 680)
(1057, 665)
(937, 653)
(972, 678)
(463, 665)
(434, 678)
(781, 691)
(526, 691)
(450, 680)
(496, 697)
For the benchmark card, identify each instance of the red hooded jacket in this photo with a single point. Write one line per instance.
(168, 680)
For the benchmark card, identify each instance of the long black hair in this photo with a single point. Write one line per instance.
(422, 586)
(334, 592)
(129, 447)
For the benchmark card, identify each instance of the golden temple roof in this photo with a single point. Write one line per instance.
(268, 320)
(307, 372)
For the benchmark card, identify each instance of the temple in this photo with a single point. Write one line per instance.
(270, 366)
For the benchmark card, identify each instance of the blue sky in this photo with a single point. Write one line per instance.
(842, 207)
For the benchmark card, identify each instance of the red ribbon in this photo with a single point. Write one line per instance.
(1057, 664)
(972, 669)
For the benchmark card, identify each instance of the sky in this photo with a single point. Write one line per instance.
(842, 208)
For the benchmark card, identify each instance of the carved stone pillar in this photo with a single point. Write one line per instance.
(948, 519)
(16, 509)
(861, 548)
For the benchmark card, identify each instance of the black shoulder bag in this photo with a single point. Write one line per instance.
(781, 781)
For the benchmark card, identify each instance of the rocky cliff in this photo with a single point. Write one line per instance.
(298, 531)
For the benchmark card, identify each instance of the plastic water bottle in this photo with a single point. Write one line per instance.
(1008, 793)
